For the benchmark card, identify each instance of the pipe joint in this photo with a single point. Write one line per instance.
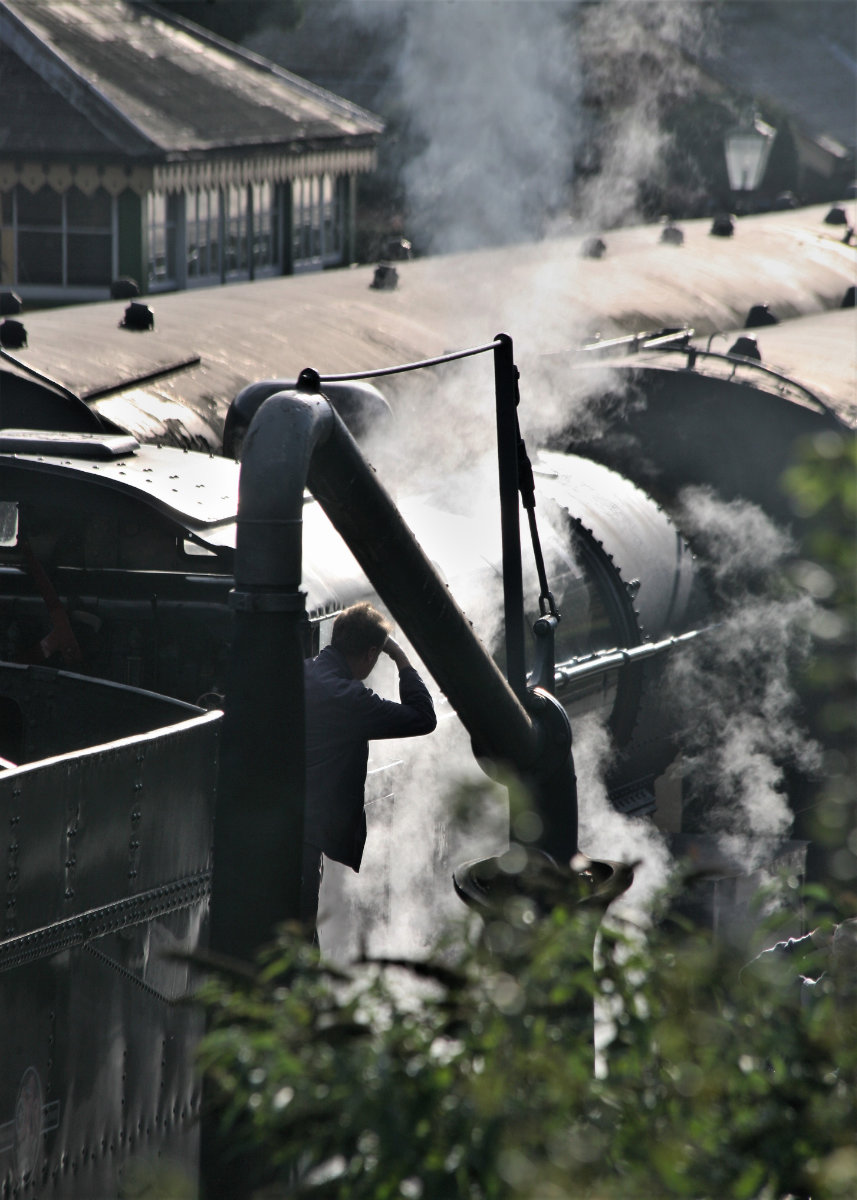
(553, 731)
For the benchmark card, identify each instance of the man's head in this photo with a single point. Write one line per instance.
(359, 634)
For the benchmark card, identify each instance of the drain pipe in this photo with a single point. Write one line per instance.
(296, 437)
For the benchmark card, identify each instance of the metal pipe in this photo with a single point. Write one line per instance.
(609, 660)
(258, 832)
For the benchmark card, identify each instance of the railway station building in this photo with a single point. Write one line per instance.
(134, 144)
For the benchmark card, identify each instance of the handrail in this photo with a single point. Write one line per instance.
(380, 372)
(739, 360)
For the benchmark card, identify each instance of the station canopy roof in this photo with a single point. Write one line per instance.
(118, 79)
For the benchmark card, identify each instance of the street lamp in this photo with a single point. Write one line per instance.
(747, 150)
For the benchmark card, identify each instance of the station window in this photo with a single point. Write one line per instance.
(318, 215)
(236, 229)
(57, 239)
(265, 205)
(203, 235)
(163, 222)
(233, 233)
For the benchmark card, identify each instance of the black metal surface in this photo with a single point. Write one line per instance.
(733, 429)
(259, 826)
(638, 565)
(28, 399)
(107, 852)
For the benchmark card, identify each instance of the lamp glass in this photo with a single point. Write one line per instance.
(747, 152)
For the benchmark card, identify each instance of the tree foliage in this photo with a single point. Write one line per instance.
(475, 1078)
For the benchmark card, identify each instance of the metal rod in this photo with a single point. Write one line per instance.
(610, 660)
(379, 372)
(506, 396)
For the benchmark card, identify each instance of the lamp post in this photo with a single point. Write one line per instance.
(748, 147)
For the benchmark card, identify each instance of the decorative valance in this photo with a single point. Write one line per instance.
(86, 176)
(187, 175)
(271, 168)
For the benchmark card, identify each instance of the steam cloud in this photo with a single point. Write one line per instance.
(745, 733)
(494, 92)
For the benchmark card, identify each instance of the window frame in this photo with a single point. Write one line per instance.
(13, 224)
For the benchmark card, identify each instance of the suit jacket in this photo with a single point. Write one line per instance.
(342, 716)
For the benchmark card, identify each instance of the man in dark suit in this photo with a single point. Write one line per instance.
(342, 717)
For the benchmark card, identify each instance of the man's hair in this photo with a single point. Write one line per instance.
(358, 629)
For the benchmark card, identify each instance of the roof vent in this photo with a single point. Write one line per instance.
(124, 288)
(745, 347)
(398, 249)
(722, 225)
(849, 300)
(13, 335)
(836, 216)
(760, 315)
(672, 235)
(138, 316)
(386, 278)
(593, 247)
(10, 303)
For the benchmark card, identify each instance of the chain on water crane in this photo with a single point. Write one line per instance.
(527, 488)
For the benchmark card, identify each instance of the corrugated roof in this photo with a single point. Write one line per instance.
(142, 83)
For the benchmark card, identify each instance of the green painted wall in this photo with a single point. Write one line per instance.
(132, 258)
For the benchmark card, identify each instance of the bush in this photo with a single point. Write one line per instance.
(476, 1078)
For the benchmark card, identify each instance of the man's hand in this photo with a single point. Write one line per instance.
(395, 651)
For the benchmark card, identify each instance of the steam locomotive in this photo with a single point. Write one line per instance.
(156, 603)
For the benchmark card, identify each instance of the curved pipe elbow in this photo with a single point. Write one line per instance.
(277, 452)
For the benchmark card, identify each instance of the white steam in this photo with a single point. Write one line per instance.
(635, 55)
(609, 835)
(743, 730)
(504, 140)
(445, 812)
(493, 90)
